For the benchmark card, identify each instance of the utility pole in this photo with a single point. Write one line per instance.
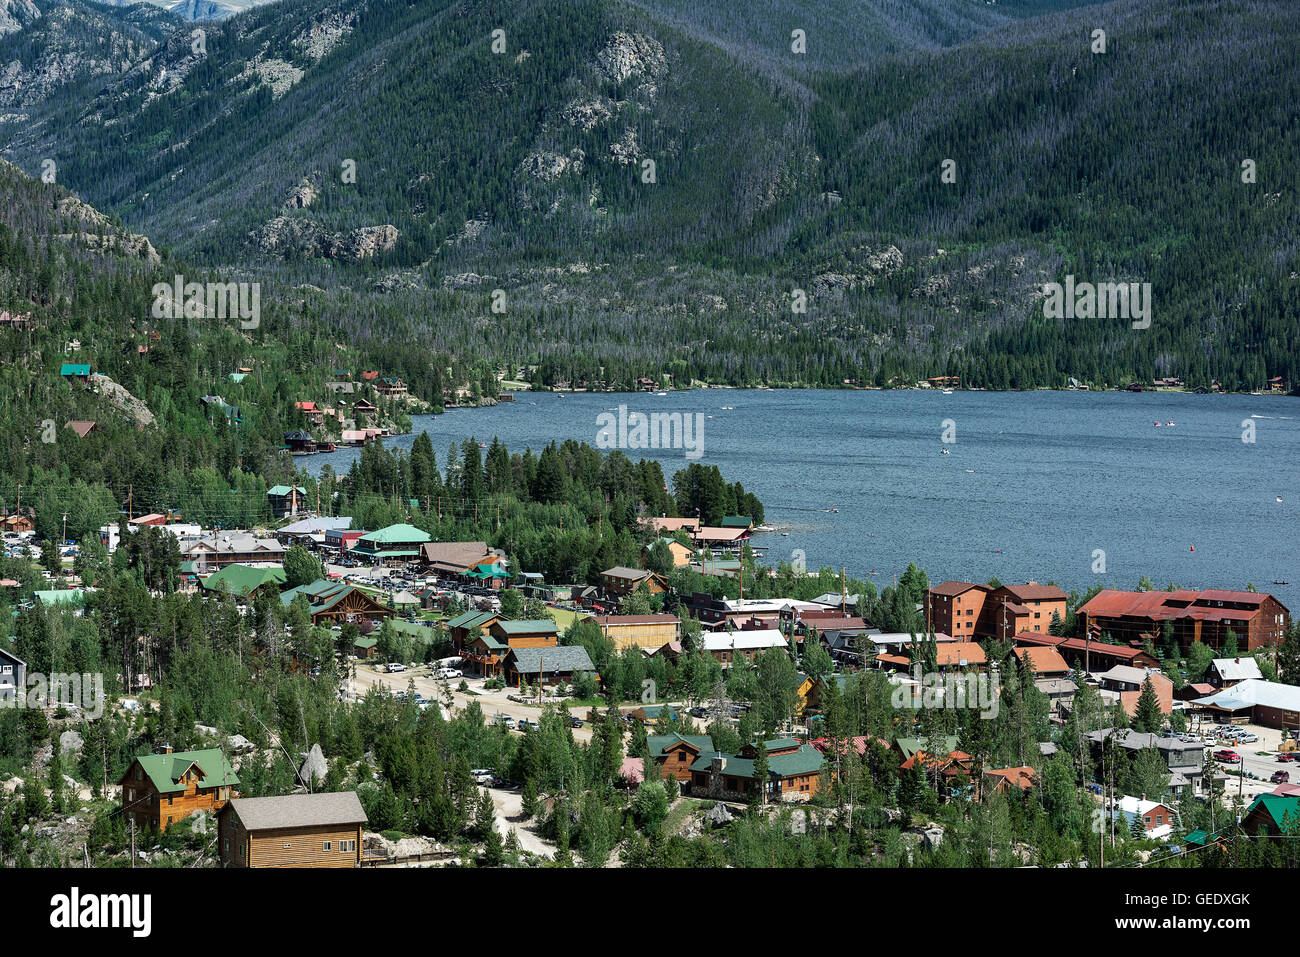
(132, 842)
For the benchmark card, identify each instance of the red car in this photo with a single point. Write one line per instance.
(1231, 757)
(1286, 757)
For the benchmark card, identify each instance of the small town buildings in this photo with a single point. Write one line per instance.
(547, 665)
(285, 500)
(335, 601)
(1087, 654)
(219, 550)
(394, 544)
(1272, 815)
(1158, 820)
(20, 520)
(450, 559)
(1125, 684)
(1184, 759)
(244, 581)
(13, 675)
(794, 773)
(639, 631)
(311, 531)
(297, 830)
(339, 540)
(466, 627)
(526, 633)
(682, 553)
(730, 646)
(954, 607)
(1267, 703)
(620, 581)
(1226, 672)
(1043, 662)
(1258, 620)
(711, 537)
(967, 610)
(160, 789)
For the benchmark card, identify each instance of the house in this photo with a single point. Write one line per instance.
(1257, 620)
(22, 520)
(1271, 815)
(161, 789)
(244, 581)
(620, 581)
(297, 830)
(335, 601)
(526, 633)
(81, 426)
(717, 537)
(364, 648)
(13, 675)
(811, 691)
(1183, 758)
(949, 656)
(72, 370)
(794, 773)
(285, 500)
(1267, 703)
(395, 543)
(341, 388)
(390, 385)
(1044, 662)
(667, 526)
(682, 553)
(965, 609)
(310, 411)
(1125, 685)
(1226, 672)
(1008, 780)
(468, 626)
(340, 540)
(729, 646)
(639, 631)
(299, 440)
(1158, 820)
(547, 665)
(216, 403)
(736, 521)
(362, 407)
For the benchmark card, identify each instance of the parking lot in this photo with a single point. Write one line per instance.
(1261, 765)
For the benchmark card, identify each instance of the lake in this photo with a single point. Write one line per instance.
(1033, 485)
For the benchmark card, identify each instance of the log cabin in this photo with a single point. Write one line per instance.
(160, 789)
(298, 830)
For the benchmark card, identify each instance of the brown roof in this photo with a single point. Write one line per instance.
(458, 554)
(81, 426)
(299, 810)
(952, 589)
(1043, 660)
(953, 652)
(1032, 591)
(673, 524)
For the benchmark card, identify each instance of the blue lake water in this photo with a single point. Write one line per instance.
(1033, 484)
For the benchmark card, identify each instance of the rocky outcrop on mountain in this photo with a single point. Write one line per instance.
(279, 75)
(284, 235)
(301, 196)
(549, 166)
(16, 14)
(631, 55)
(98, 232)
(588, 114)
(325, 34)
(122, 400)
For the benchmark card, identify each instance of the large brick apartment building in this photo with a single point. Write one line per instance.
(967, 611)
(1257, 620)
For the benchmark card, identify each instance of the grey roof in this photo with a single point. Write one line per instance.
(309, 526)
(299, 810)
(1237, 669)
(1254, 691)
(564, 658)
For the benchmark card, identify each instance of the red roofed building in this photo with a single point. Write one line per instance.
(1258, 620)
(1044, 662)
(1002, 780)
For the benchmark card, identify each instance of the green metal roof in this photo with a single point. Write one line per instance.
(243, 579)
(401, 533)
(807, 760)
(659, 743)
(470, 619)
(736, 521)
(285, 490)
(165, 770)
(365, 643)
(60, 596)
(73, 369)
(1277, 807)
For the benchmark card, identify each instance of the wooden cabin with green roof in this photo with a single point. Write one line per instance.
(794, 772)
(335, 601)
(160, 789)
(468, 626)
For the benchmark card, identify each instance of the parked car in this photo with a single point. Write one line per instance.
(483, 776)
(504, 720)
(697, 712)
(525, 723)
(1231, 757)
(575, 722)
(1280, 777)
(395, 666)
(1289, 756)
(1247, 738)
(447, 673)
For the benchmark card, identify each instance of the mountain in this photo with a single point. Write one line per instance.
(658, 186)
(195, 10)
